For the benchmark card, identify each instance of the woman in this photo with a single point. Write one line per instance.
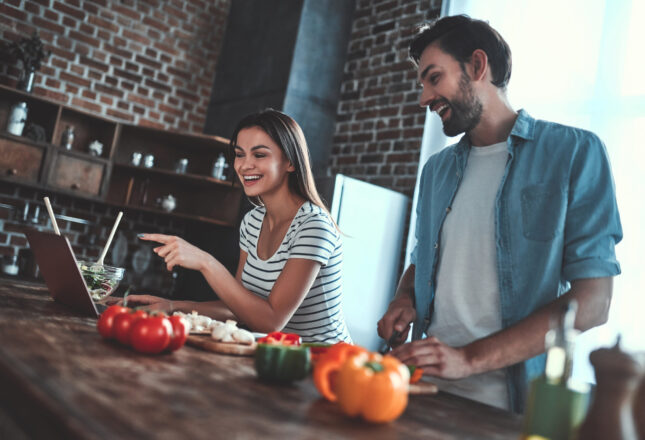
(289, 274)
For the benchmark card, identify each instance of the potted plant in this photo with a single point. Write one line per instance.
(30, 52)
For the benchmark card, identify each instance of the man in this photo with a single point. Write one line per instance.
(514, 221)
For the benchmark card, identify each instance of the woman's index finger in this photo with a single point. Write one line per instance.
(159, 238)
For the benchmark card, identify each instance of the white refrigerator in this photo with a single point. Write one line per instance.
(372, 224)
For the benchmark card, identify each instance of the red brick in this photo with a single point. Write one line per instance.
(53, 83)
(68, 77)
(126, 11)
(69, 22)
(86, 105)
(156, 24)
(120, 115)
(84, 38)
(87, 61)
(140, 100)
(12, 12)
(45, 24)
(136, 37)
(103, 23)
(108, 90)
(76, 13)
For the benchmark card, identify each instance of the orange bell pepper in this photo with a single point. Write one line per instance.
(372, 386)
(328, 365)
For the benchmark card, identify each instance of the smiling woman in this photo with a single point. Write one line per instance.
(289, 275)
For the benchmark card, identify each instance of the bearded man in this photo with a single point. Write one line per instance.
(513, 222)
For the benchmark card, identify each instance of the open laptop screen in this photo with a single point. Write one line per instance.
(58, 265)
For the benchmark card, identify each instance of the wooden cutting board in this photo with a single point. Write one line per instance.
(423, 387)
(206, 342)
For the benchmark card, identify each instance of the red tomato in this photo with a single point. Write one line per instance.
(151, 335)
(106, 320)
(123, 324)
(179, 332)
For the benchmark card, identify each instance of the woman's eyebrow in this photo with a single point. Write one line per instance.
(258, 147)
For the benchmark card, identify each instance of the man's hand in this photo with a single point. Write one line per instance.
(435, 358)
(178, 252)
(400, 314)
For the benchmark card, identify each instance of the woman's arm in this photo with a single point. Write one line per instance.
(259, 314)
(214, 309)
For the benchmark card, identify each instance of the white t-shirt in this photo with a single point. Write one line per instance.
(312, 236)
(467, 302)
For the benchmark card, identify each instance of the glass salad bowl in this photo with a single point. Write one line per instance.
(101, 281)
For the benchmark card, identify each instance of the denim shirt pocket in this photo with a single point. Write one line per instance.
(543, 211)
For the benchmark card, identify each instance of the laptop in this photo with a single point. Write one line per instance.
(63, 278)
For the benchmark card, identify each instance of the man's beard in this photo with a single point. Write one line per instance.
(465, 110)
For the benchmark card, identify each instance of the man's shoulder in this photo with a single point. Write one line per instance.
(563, 132)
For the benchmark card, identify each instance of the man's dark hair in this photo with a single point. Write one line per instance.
(460, 36)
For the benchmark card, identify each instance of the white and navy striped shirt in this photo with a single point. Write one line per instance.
(312, 236)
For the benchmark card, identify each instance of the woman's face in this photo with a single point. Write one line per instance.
(260, 164)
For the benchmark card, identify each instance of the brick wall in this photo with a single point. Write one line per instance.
(379, 123)
(150, 62)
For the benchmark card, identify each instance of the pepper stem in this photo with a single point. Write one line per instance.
(374, 366)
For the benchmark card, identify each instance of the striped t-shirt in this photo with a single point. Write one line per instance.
(312, 236)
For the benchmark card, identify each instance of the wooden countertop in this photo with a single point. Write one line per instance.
(59, 379)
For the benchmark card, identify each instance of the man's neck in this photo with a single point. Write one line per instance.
(496, 123)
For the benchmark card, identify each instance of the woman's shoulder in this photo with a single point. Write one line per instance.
(310, 215)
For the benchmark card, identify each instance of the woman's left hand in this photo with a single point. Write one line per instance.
(178, 252)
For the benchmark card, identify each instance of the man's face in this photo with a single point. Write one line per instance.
(448, 91)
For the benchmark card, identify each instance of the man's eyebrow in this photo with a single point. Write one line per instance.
(425, 71)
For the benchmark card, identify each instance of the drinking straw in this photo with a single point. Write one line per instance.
(51, 215)
(109, 240)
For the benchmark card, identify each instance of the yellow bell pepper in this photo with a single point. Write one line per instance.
(372, 386)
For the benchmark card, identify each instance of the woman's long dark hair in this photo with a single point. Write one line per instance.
(289, 136)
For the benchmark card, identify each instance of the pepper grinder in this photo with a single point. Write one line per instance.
(611, 415)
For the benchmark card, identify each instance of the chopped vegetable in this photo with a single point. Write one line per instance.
(415, 373)
(281, 338)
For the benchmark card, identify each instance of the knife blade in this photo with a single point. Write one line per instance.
(388, 345)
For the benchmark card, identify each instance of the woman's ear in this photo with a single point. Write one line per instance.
(291, 168)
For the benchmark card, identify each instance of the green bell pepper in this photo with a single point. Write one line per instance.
(282, 363)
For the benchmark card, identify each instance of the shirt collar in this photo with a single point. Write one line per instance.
(524, 128)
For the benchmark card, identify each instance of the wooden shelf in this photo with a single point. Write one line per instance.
(193, 178)
(177, 215)
(23, 140)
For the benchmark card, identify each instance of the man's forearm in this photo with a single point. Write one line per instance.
(405, 289)
(525, 339)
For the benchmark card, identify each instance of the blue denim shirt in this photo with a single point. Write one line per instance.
(556, 220)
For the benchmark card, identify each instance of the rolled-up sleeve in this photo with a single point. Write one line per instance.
(592, 227)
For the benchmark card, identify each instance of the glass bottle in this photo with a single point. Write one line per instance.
(17, 119)
(67, 139)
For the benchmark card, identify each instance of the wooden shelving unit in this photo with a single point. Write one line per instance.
(110, 177)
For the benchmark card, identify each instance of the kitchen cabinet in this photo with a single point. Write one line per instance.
(37, 159)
